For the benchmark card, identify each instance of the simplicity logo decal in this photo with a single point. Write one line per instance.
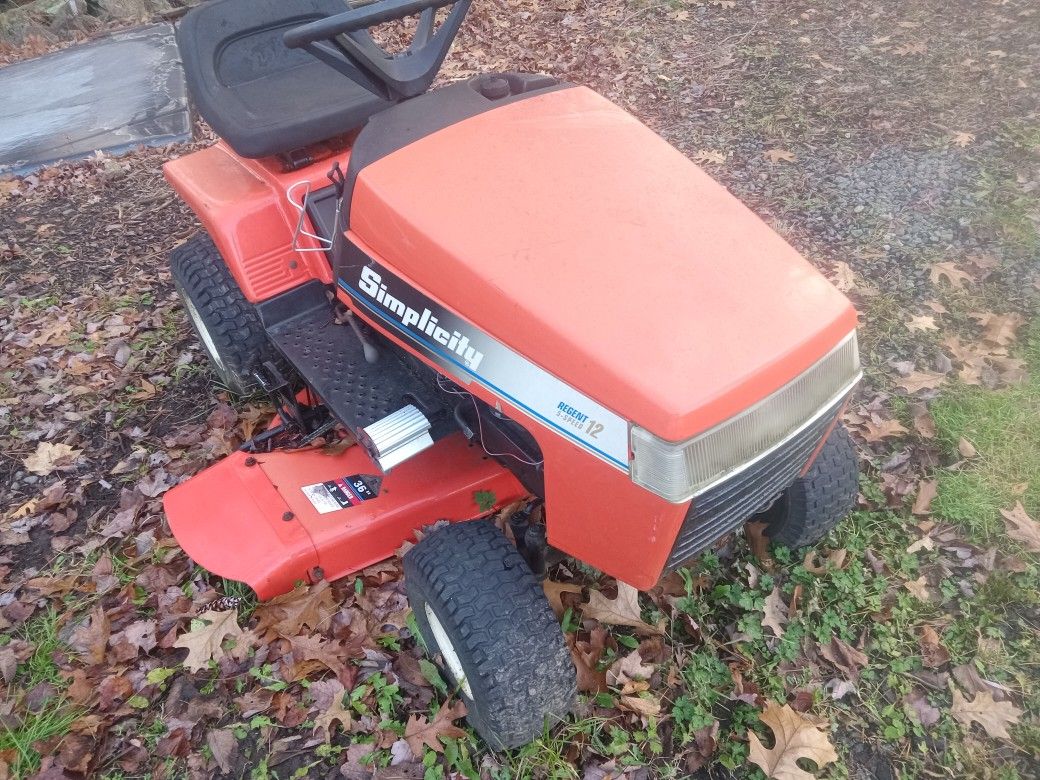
(372, 284)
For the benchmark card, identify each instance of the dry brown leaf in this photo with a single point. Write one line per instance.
(50, 457)
(645, 705)
(953, 275)
(586, 657)
(874, 432)
(775, 612)
(933, 654)
(844, 657)
(926, 492)
(923, 322)
(844, 276)
(835, 559)
(925, 425)
(919, 588)
(324, 720)
(712, 156)
(759, 543)
(307, 606)
(554, 593)
(628, 668)
(91, 640)
(1000, 330)
(962, 139)
(622, 611)
(920, 380)
(966, 448)
(993, 716)
(914, 47)
(778, 155)
(205, 639)
(420, 731)
(795, 738)
(1021, 527)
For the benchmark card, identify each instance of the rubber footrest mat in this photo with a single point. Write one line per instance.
(331, 358)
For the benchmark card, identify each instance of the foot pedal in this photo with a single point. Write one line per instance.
(397, 437)
(370, 399)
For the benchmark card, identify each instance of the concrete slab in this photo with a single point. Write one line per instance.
(111, 94)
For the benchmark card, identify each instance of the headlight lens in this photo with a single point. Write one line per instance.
(677, 471)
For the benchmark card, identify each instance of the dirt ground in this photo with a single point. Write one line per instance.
(896, 145)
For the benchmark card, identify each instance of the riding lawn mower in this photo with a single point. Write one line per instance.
(504, 291)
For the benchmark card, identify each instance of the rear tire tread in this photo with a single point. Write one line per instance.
(200, 273)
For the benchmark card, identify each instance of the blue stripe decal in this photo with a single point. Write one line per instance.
(357, 297)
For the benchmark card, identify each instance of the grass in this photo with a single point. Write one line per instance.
(55, 715)
(1004, 427)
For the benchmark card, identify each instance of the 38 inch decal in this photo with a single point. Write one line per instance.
(468, 353)
(341, 493)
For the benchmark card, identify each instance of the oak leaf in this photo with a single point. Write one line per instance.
(923, 322)
(421, 731)
(919, 588)
(712, 156)
(926, 493)
(795, 738)
(1000, 330)
(205, 639)
(309, 606)
(835, 559)
(886, 428)
(775, 612)
(953, 275)
(778, 155)
(993, 716)
(1021, 527)
(645, 705)
(622, 611)
(587, 656)
(844, 657)
(844, 276)
(920, 380)
(333, 711)
(933, 654)
(924, 424)
(628, 668)
(554, 593)
(50, 457)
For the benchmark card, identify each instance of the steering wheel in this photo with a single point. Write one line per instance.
(343, 41)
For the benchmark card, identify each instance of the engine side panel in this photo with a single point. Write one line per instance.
(594, 510)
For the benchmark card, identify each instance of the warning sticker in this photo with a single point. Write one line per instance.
(342, 493)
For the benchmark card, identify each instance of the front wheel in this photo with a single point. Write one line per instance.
(820, 499)
(484, 617)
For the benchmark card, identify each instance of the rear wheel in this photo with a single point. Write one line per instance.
(484, 617)
(818, 501)
(226, 323)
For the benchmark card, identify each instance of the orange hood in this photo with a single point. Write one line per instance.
(572, 233)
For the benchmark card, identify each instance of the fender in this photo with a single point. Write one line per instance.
(242, 205)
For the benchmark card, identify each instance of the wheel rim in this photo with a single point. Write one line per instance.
(207, 340)
(447, 651)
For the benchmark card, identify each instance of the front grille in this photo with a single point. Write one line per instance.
(726, 505)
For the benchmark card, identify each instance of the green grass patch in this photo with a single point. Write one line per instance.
(55, 715)
(1004, 427)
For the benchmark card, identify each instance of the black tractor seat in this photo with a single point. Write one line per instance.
(260, 96)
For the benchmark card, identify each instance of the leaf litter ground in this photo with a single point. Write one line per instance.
(897, 147)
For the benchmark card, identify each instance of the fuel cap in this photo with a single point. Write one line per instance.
(494, 88)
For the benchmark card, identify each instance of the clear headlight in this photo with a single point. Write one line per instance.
(678, 471)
